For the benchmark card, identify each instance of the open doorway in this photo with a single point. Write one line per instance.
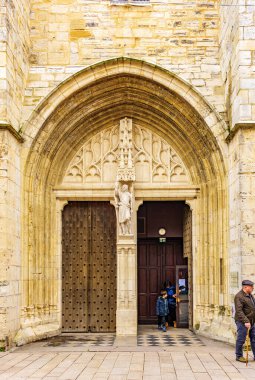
(164, 243)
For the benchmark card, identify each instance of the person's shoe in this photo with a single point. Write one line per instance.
(164, 329)
(241, 359)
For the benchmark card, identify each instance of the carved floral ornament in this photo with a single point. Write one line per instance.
(154, 160)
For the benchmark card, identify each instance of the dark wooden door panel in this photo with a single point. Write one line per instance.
(153, 256)
(152, 305)
(88, 267)
(142, 258)
(180, 260)
(142, 300)
(142, 280)
(168, 274)
(169, 254)
(156, 264)
(154, 279)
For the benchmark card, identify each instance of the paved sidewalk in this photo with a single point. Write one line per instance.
(126, 360)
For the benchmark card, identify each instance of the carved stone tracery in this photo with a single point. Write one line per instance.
(155, 160)
(96, 161)
(127, 154)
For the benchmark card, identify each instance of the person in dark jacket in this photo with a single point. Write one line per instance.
(162, 310)
(171, 298)
(245, 318)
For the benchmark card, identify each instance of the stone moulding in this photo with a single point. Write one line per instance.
(127, 65)
(9, 127)
(237, 127)
(33, 333)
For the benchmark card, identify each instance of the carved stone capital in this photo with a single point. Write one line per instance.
(125, 250)
(126, 175)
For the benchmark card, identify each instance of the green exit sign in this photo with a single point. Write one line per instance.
(162, 240)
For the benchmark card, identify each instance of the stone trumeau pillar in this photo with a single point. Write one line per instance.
(126, 319)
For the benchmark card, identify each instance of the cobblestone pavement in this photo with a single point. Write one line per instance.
(125, 359)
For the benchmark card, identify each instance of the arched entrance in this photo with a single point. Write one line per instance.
(89, 104)
(162, 260)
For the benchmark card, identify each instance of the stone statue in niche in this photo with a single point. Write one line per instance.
(123, 199)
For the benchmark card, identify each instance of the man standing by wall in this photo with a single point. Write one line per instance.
(245, 318)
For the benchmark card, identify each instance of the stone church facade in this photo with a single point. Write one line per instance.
(108, 108)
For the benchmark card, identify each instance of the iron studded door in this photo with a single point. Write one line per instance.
(89, 267)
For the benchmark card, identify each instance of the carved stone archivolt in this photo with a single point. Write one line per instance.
(127, 154)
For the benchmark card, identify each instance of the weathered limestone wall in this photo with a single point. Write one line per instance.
(14, 65)
(3, 58)
(242, 207)
(10, 226)
(210, 44)
(14, 58)
(237, 55)
(70, 35)
(228, 39)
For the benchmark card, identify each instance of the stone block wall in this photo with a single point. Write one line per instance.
(210, 44)
(179, 35)
(14, 58)
(242, 207)
(246, 68)
(10, 225)
(237, 54)
(14, 66)
(237, 47)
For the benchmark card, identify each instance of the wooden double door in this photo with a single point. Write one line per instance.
(157, 263)
(89, 267)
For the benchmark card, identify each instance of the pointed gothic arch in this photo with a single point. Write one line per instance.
(93, 100)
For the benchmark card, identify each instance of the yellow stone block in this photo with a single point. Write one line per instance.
(75, 34)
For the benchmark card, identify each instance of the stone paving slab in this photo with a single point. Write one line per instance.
(180, 365)
(210, 361)
(148, 339)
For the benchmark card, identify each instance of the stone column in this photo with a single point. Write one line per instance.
(126, 317)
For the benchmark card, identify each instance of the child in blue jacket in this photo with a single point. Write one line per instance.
(162, 310)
